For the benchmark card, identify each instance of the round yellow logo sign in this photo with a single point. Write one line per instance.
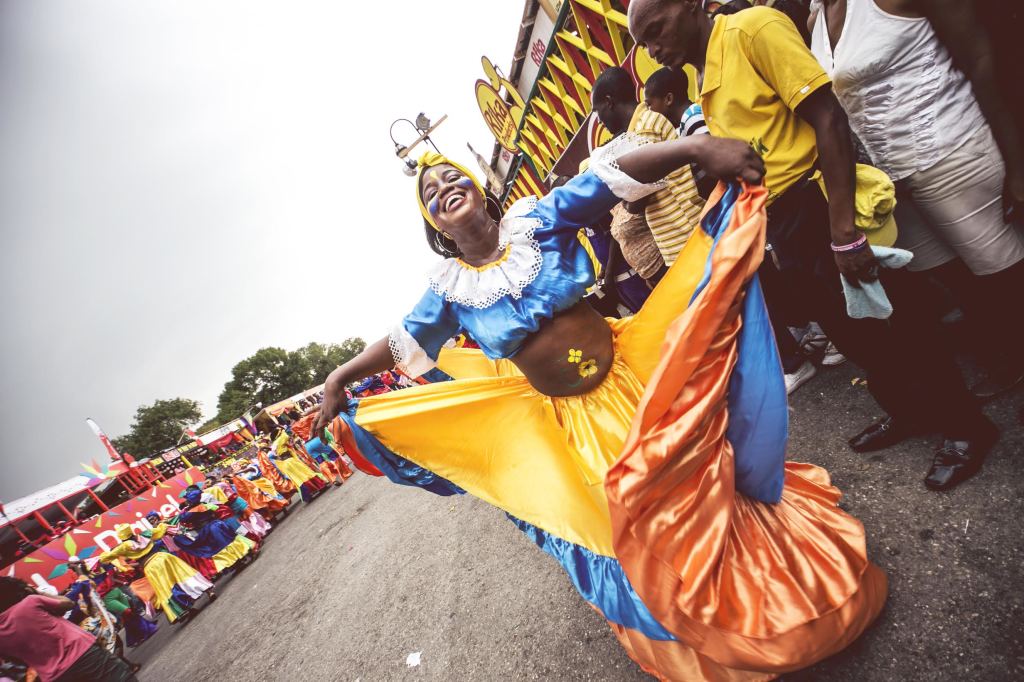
(497, 115)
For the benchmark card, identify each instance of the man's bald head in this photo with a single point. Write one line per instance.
(667, 28)
(639, 9)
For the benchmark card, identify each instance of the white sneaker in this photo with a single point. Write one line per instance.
(801, 376)
(832, 356)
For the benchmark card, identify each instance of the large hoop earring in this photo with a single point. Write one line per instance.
(442, 247)
(491, 201)
(440, 244)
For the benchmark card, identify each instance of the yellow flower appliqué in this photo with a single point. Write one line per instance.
(588, 368)
(575, 355)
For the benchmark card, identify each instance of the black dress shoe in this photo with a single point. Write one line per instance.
(882, 434)
(958, 460)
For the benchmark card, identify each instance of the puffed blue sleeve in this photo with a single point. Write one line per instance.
(581, 202)
(589, 196)
(416, 341)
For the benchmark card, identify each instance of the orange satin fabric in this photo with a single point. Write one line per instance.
(303, 456)
(335, 471)
(304, 425)
(256, 497)
(143, 589)
(750, 586)
(270, 472)
(671, 661)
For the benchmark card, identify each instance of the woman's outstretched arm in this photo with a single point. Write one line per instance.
(724, 158)
(375, 358)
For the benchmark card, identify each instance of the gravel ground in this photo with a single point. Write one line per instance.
(350, 585)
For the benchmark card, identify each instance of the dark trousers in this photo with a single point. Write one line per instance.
(98, 665)
(910, 368)
(786, 309)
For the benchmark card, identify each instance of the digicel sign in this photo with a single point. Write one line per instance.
(497, 115)
(48, 565)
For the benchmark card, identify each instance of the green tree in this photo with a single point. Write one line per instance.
(158, 426)
(273, 374)
(210, 424)
(323, 358)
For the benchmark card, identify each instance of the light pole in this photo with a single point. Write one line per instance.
(423, 126)
(181, 435)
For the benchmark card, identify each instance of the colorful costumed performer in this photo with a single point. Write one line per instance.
(282, 485)
(175, 584)
(309, 482)
(207, 536)
(115, 600)
(259, 493)
(330, 463)
(710, 556)
(253, 525)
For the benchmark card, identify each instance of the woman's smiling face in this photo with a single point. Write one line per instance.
(451, 198)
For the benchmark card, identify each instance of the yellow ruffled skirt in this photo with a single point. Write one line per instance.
(295, 471)
(234, 552)
(164, 571)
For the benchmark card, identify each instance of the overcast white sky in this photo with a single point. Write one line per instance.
(182, 183)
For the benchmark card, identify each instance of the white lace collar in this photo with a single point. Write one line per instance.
(481, 287)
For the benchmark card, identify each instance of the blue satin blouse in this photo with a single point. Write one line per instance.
(566, 272)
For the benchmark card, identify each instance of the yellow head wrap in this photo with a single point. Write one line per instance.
(428, 160)
(124, 531)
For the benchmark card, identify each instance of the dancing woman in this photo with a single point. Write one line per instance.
(307, 480)
(618, 446)
(206, 537)
(258, 492)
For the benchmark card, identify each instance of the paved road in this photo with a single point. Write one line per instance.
(349, 586)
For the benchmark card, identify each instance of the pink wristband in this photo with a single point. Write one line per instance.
(852, 246)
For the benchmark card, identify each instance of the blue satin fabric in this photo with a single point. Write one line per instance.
(184, 601)
(320, 451)
(758, 409)
(192, 496)
(212, 534)
(435, 375)
(370, 383)
(600, 580)
(397, 469)
(565, 275)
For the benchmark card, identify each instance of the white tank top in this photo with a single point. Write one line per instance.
(906, 102)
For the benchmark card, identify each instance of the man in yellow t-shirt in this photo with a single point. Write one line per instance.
(761, 84)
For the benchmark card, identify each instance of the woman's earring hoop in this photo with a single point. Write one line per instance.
(491, 201)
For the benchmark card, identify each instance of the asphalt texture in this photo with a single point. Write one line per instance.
(348, 586)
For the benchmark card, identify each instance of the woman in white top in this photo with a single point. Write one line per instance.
(916, 79)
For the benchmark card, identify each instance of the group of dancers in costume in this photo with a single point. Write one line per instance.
(176, 585)
(218, 527)
(284, 461)
(647, 454)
